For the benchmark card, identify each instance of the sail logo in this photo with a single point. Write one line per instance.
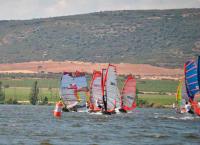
(129, 97)
(112, 83)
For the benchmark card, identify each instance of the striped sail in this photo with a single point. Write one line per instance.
(196, 97)
(191, 78)
(128, 98)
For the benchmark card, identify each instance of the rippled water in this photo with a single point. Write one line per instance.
(36, 125)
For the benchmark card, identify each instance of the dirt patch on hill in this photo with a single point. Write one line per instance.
(88, 67)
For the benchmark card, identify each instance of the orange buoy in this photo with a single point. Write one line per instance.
(58, 109)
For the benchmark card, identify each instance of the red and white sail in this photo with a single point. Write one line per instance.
(110, 89)
(96, 96)
(128, 94)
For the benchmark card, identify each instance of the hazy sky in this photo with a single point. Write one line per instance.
(28, 9)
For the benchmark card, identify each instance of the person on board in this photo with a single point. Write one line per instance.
(173, 105)
(188, 108)
(98, 103)
(64, 109)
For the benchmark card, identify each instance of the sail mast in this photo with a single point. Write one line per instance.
(104, 90)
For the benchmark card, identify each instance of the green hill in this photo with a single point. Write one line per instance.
(157, 37)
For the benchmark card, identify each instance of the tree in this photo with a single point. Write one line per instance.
(33, 98)
(2, 94)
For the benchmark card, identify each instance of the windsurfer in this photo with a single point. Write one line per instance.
(98, 103)
(188, 108)
(64, 109)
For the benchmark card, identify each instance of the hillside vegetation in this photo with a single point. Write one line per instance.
(157, 37)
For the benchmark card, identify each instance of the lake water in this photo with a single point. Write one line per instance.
(28, 125)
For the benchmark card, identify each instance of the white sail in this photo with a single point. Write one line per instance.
(112, 91)
(68, 90)
(96, 97)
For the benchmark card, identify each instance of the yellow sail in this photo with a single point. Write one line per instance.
(179, 93)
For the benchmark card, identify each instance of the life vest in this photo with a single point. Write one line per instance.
(58, 109)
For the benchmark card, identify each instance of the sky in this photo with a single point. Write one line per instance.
(29, 9)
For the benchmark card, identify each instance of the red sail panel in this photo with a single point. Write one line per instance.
(128, 98)
(96, 91)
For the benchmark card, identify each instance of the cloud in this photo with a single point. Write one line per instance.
(28, 9)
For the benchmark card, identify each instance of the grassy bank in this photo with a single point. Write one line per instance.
(19, 89)
(161, 86)
(154, 100)
(22, 93)
(142, 85)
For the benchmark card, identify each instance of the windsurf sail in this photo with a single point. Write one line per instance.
(82, 88)
(192, 81)
(96, 97)
(191, 78)
(73, 89)
(68, 90)
(184, 93)
(181, 95)
(128, 98)
(111, 89)
(196, 97)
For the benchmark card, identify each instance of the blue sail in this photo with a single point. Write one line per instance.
(191, 78)
(198, 70)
